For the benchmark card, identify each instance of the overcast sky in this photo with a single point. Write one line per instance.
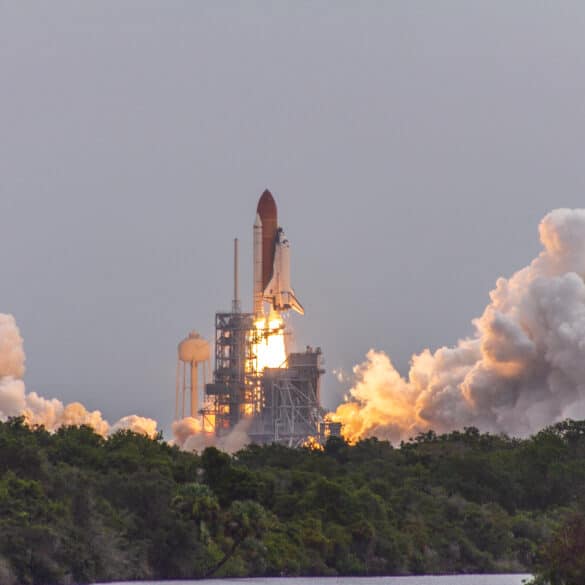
(412, 148)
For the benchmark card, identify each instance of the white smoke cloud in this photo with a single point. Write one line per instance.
(523, 368)
(11, 350)
(12, 400)
(190, 436)
(136, 424)
(237, 438)
(185, 428)
(51, 413)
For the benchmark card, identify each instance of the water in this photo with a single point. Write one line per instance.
(422, 580)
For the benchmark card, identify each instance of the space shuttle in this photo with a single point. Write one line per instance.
(272, 261)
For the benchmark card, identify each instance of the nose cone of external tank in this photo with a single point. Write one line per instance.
(267, 207)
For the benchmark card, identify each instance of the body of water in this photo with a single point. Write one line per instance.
(419, 580)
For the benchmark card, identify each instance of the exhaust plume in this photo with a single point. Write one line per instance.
(136, 424)
(11, 351)
(190, 436)
(51, 413)
(185, 428)
(522, 369)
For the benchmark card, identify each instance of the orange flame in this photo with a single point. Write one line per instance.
(270, 348)
(313, 444)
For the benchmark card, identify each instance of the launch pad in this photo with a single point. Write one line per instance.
(272, 405)
(271, 394)
(291, 410)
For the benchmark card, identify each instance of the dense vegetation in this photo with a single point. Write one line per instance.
(75, 507)
(562, 558)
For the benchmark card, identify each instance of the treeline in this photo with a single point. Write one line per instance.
(78, 508)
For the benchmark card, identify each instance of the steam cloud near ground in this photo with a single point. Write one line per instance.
(522, 369)
(189, 435)
(51, 413)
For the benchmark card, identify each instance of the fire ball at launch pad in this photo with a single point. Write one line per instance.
(257, 382)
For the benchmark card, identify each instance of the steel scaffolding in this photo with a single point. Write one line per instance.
(282, 404)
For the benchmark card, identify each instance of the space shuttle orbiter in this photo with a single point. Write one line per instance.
(271, 261)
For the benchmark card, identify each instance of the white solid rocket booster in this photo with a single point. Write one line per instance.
(258, 292)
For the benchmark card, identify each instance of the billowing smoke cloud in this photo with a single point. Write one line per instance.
(11, 351)
(137, 424)
(51, 413)
(523, 368)
(185, 428)
(189, 435)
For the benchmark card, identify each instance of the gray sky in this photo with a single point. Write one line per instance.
(412, 148)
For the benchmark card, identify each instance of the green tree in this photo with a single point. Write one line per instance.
(563, 556)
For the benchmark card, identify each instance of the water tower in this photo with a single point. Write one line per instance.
(193, 350)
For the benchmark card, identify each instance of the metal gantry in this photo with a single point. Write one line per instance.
(282, 404)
